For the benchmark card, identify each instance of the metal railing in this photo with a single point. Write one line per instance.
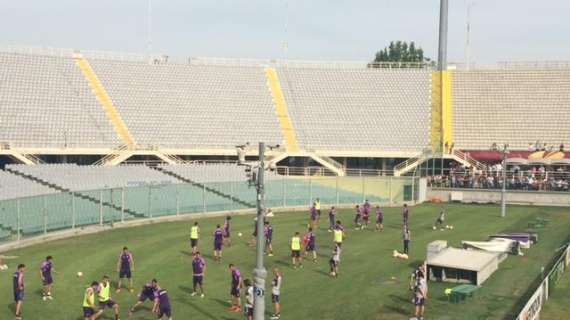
(39, 215)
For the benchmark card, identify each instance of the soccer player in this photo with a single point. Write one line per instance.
(358, 215)
(276, 292)
(334, 261)
(406, 237)
(18, 283)
(105, 300)
(405, 215)
(89, 307)
(161, 305)
(227, 238)
(125, 266)
(296, 251)
(254, 233)
(440, 219)
(249, 299)
(379, 219)
(237, 284)
(46, 269)
(318, 207)
(420, 296)
(332, 218)
(313, 216)
(269, 238)
(311, 244)
(218, 243)
(338, 235)
(147, 293)
(198, 271)
(365, 213)
(194, 236)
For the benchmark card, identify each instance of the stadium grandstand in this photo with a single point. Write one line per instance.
(107, 109)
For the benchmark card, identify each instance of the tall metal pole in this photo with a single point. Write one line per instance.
(504, 191)
(468, 37)
(259, 273)
(442, 66)
(442, 52)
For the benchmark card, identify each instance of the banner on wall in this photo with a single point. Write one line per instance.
(532, 308)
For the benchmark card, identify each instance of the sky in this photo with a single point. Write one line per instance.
(501, 30)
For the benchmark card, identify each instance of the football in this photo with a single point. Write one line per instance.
(239, 234)
(79, 274)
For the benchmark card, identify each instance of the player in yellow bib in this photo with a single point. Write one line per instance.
(89, 307)
(338, 234)
(105, 300)
(296, 251)
(194, 236)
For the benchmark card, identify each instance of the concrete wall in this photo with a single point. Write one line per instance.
(494, 196)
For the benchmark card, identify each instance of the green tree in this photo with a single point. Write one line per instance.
(400, 54)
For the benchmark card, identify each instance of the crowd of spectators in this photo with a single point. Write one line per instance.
(538, 178)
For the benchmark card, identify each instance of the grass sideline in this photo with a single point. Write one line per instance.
(364, 290)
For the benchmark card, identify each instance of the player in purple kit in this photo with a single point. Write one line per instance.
(198, 272)
(18, 284)
(379, 219)
(47, 280)
(237, 284)
(161, 305)
(268, 238)
(313, 216)
(366, 213)
(405, 215)
(332, 218)
(227, 227)
(218, 243)
(311, 244)
(357, 216)
(147, 293)
(125, 267)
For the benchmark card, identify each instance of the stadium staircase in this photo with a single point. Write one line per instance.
(329, 163)
(457, 155)
(467, 160)
(106, 102)
(28, 159)
(412, 163)
(287, 129)
(76, 194)
(204, 187)
(116, 157)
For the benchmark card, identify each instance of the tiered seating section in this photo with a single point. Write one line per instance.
(359, 109)
(13, 186)
(80, 178)
(183, 106)
(46, 102)
(511, 106)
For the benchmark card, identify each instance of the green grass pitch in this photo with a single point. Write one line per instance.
(365, 288)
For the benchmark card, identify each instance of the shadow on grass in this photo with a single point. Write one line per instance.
(201, 310)
(322, 272)
(186, 289)
(186, 253)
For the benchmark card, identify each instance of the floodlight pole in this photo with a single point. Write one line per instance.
(260, 273)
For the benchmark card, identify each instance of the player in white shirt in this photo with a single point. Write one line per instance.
(275, 293)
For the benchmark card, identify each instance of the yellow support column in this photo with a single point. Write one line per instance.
(285, 122)
(442, 111)
(447, 108)
(106, 102)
